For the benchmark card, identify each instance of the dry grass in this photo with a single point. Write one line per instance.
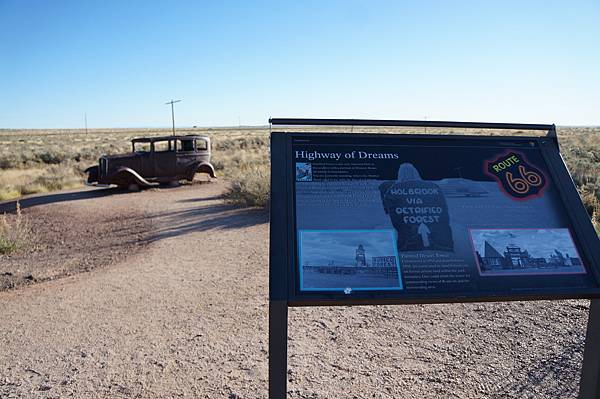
(46, 160)
(14, 231)
(17, 182)
(251, 187)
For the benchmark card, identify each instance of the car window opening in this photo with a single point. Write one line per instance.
(163, 146)
(201, 145)
(141, 147)
(185, 145)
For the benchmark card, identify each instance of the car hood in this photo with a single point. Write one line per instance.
(121, 156)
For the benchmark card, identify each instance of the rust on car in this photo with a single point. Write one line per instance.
(154, 160)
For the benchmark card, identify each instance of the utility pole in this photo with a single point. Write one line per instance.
(173, 113)
(85, 118)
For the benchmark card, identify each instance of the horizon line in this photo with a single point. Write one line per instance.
(207, 127)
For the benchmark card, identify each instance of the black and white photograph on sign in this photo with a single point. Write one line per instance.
(505, 252)
(346, 260)
(303, 171)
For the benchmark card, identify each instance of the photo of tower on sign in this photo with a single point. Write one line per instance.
(346, 260)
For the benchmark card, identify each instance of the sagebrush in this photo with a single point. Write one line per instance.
(14, 231)
(251, 188)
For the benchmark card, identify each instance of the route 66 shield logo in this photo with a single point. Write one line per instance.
(516, 176)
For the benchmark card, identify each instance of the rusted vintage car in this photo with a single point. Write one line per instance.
(154, 161)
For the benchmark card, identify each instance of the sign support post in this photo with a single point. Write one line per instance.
(278, 320)
(278, 289)
(589, 387)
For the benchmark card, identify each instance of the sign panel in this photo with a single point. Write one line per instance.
(428, 219)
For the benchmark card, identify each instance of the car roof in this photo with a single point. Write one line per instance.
(162, 138)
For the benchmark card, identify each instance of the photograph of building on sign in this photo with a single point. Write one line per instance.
(303, 171)
(346, 260)
(505, 252)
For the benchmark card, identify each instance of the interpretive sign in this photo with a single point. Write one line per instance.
(384, 218)
(435, 218)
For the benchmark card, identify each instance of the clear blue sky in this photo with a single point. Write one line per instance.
(234, 61)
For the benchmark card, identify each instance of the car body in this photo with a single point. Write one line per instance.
(154, 160)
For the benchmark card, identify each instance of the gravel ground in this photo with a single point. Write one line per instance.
(69, 238)
(185, 315)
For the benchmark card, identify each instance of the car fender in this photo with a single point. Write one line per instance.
(201, 167)
(125, 176)
(92, 173)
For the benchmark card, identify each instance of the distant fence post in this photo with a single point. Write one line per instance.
(589, 387)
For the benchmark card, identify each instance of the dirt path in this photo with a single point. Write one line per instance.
(72, 236)
(187, 317)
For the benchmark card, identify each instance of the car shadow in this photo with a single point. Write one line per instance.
(206, 218)
(202, 199)
(554, 377)
(51, 198)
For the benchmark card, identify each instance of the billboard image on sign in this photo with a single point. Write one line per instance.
(418, 211)
(346, 260)
(525, 251)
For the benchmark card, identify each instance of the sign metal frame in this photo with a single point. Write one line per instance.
(282, 281)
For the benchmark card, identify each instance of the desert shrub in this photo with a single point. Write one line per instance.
(596, 220)
(252, 188)
(233, 155)
(7, 193)
(52, 157)
(32, 188)
(55, 178)
(244, 161)
(14, 231)
(591, 202)
(45, 183)
(19, 182)
(11, 161)
(218, 164)
(226, 143)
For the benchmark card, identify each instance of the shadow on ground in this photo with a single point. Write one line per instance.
(52, 198)
(28, 202)
(205, 218)
(554, 377)
(202, 199)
